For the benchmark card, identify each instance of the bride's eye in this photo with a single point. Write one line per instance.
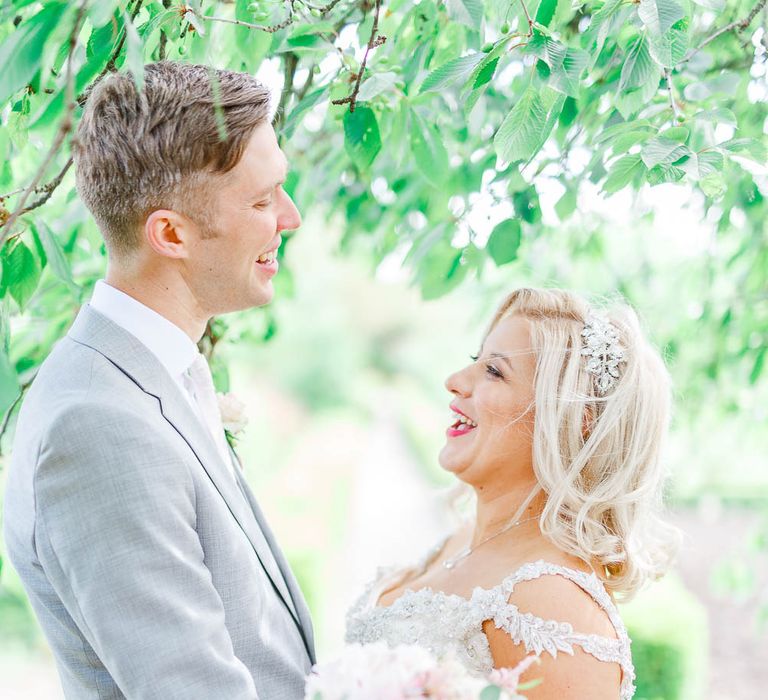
(493, 372)
(473, 358)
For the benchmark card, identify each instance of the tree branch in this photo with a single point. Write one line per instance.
(64, 128)
(289, 73)
(374, 41)
(739, 25)
(270, 29)
(7, 417)
(672, 103)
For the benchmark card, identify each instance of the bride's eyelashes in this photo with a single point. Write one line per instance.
(490, 369)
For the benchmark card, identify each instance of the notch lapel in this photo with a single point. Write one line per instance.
(300, 606)
(132, 357)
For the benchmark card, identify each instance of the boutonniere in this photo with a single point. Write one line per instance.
(233, 416)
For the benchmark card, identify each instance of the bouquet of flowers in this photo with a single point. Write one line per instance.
(377, 672)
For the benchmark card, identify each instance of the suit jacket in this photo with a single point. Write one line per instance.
(152, 571)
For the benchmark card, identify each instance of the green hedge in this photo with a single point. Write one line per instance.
(670, 642)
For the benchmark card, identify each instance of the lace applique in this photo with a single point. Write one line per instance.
(444, 622)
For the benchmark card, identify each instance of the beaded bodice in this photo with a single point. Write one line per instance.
(445, 622)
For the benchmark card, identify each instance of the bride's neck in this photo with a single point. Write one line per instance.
(496, 510)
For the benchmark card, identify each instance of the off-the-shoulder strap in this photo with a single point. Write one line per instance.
(538, 634)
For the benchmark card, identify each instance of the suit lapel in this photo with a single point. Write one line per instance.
(300, 606)
(133, 359)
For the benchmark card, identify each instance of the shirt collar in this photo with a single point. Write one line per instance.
(171, 345)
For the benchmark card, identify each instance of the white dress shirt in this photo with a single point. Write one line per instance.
(172, 346)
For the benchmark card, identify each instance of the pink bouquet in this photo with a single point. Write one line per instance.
(376, 672)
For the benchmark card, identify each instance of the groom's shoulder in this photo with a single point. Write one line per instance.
(77, 386)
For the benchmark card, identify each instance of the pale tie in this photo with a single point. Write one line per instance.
(205, 396)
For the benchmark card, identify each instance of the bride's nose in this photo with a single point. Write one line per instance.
(458, 383)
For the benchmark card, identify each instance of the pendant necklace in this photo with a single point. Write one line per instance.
(451, 562)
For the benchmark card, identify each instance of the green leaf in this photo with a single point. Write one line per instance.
(469, 12)
(714, 5)
(504, 241)
(757, 368)
(485, 74)
(567, 75)
(713, 185)
(362, 139)
(99, 13)
(9, 384)
(661, 150)
(669, 49)
(746, 147)
(601, 25)
(719, 115)
(134, 58)
(21, 272)
(22, 52)
(428, 150)
(566, 205)
(299, 111)
(55, 254)
(491, 692)
(528, 125)
(622, 172)
(659, 15)
(445, 75)
(638, 66)
(376, 84)
(545, 12)
(659, 174)
(441, 270)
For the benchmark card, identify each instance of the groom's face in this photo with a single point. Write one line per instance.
(231, 267)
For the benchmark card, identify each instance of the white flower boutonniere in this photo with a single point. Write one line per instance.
(233, 416)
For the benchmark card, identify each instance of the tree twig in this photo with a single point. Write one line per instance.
(739, 25)
(7, 417)
(672, 103)
(269, 28)
(163, 36)
(374, 41)
(64, 128)
(290, 64)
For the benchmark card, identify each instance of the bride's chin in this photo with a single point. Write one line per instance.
(449, 462)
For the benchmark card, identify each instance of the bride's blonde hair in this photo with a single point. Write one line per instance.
(597, 457)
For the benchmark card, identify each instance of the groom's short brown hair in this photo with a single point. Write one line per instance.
(161, 147)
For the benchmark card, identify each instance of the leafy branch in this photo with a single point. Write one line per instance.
(64, 128)
(739, 25)
(374, 41)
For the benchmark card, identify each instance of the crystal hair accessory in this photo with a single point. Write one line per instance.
(603, 351)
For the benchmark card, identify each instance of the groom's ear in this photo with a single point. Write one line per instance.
(168, 233)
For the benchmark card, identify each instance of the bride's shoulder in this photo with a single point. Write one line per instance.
(566, 594)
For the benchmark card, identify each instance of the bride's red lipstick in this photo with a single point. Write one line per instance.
(458, 429)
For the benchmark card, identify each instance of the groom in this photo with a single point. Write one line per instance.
(146, 557)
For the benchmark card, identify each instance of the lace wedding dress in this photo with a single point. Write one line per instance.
(445, 623)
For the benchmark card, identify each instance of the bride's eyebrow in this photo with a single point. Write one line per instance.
(502, 356)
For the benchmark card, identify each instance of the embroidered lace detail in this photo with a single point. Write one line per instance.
(443, 622)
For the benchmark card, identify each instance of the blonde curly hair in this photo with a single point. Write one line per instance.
(597, 456)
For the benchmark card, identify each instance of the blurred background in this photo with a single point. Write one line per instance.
(417, 222)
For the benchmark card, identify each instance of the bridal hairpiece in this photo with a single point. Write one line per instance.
(603, 351)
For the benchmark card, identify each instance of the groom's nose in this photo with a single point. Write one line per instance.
(289, 217)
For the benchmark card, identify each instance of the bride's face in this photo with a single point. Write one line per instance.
(496, 394)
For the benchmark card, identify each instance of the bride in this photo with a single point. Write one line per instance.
(557, 428)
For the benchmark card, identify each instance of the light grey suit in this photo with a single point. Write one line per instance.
(152, 574)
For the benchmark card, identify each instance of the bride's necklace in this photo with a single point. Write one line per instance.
(464, 553)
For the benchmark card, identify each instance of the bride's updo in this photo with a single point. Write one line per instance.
(597, 448)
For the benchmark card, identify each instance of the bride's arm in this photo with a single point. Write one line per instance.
(564, 677)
